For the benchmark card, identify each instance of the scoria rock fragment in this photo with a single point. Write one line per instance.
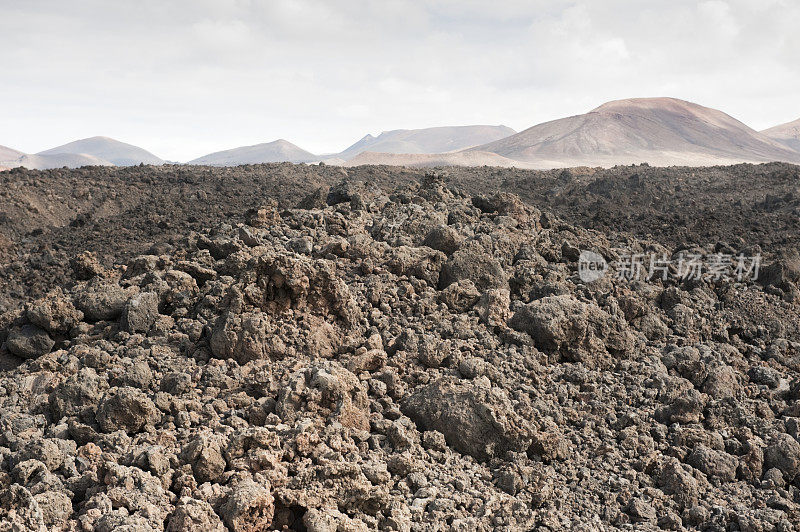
(248, 508)
(29, 341)
(474, 419)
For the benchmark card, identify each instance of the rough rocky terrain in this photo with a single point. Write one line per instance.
(280, 347)
(47, 218)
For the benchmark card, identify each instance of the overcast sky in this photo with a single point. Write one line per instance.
(184, 78)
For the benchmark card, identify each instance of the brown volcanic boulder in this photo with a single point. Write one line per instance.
(443, 238)
(193, 515)
(54, 313)
(579, 331)
(126, 409)
(244, 337)
(29, 341)
(249, 507)
(204, 453)
(102, 299)
(475, 420)
(329, 391)
(473, 263)
(783, 453)
(140, 313)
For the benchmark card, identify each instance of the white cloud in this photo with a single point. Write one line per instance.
(719, 17)
(183, 77)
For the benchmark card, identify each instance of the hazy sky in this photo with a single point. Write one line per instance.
(183, 78)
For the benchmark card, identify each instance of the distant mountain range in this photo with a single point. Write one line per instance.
(270, 152)
(94, 151)
(60, 160)
(659, 131)
(428, 140)
(400, 141)
(107, 149)
(10, 158)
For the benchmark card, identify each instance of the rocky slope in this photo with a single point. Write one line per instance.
(403, 359)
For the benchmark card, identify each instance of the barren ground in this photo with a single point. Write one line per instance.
(313, 348)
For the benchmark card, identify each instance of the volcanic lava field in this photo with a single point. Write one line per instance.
(311, 347)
